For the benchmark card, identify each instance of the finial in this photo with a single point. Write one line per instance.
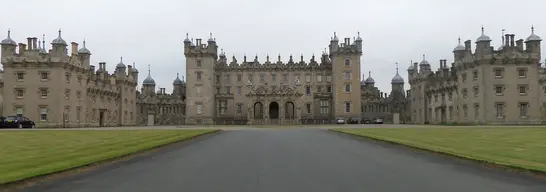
(396, 67)
(483, 31)
(187, 36)
(532, 29)
(43, 41)
(211, 35)
(279, 57)
(39, 45)
(134, 65)
(358, 34)
(325, 50)
(182, 77)
(424, 57)
(335, 34)
(177, 75)
(301, 57)
(221, 50)
(459, 40)
(149, 69)
(9, 33)
(362, 77)
(121, 59)
(267, 58)
(369, 73)
(84, 43)
(59, 32)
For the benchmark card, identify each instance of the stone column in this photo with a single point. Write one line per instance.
(250, 113)
(281, 110)
(266, 111)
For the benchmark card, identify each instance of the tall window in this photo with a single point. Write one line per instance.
(198, 75)
(239, 90)
(500, 110)
(522, 73)
(199, 108)
(523, 109)
(43, 76)
(324, 107)
(308, 90)
(239, 108)
(347, 88)
(19, 93)
(498, 73)
(308, 108)
(347, 62)
(347, 107)
(465, 112)
(273, 77)
(450, 112)
(228, 78)
(223, 107)
(43, 114)
(498, 90)
(347, 75)
(476, 111)
(198, 63)
(20, 76)
(522, 89)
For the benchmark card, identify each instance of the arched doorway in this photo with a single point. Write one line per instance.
(274, 110)
(258, 110)
(289, 111)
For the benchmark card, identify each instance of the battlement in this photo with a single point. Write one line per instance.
(192, 48)
(346, 47)
(313, 64)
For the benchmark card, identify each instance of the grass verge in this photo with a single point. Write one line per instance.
(513, 147)
(28, 154)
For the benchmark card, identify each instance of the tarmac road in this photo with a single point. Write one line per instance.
(292, 160)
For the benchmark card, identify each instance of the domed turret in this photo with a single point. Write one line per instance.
(177, 81)
(369, 80)
(459, 47)
(335, 38)
(120, 64)
(211, 39)
(483, 37)
(358, 37)
(149, 80)
(135, 70)
(397, 79)
(59, 40)
(187, 40)
(533, 36)
(8, 40)
(84, 49)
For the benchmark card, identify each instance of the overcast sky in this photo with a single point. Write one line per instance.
(151, 32)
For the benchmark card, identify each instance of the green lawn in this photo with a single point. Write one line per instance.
(523, 147)
(25, 154)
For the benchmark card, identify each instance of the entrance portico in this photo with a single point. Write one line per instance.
(277, 104)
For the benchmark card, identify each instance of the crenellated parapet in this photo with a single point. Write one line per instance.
(255, 65)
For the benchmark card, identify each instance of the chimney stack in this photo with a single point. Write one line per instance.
(507, 40)
(22, 48)
(519, 44)
(34, 43)
(29, 43)
(512, 40)
(467, 46)
(441, 64)
(74, 48)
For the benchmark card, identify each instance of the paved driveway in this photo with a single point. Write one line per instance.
(291, 160)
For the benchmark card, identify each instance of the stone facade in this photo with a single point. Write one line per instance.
(485, 86)
(56, 88)
(275, 92)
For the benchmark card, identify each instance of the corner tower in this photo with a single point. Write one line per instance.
(200, 61)
(345, 59)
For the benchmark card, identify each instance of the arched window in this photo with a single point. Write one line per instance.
(347, 62)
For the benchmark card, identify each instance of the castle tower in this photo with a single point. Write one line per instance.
(483, 45)
(459, 51)
(177, 85)
(532, 43)
(135, 72)
(345, 59)
(120, 70)
(84, 54)
(148, 85)
(397, 83)
(200, 61)
(8, 46)
(59, 46)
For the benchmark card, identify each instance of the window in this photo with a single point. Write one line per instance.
(500, 110)
(217, 78)
(198, 89)
(239, 78)
(522, 89)
(78, 113)
(329, 78)
(465, 92)
(475, 91)
(43, 113)
(324, 107)
(273, 77)
(198, 62)
(250, 78)
(217, 89)
(464, 77)
(319, 78)
(285, 77)
(475, 74)
(43, 92)
(450, 112)
(347, 62)
(79, 80)
(308, 78)
(347, 75)
(19, 111)
(435, 97)
(450, 96)
(198, 75)
(239, 108)
(222, 107)
(67, 94)
(347, 107)
(67, 77)
(498, 73)
(347, 88)
(228, 90)
(308, 90)
(308, 108)
(262, 77)
(319, 89)
(20, 76)
(238, 90)
(228, 78)
(19, 93)
(476, 111)
(329, 89)
(44, 76)
(499, 89)
(199, 108)
(523, 109)
(465, 112)
(522, 73)
(79, 95)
